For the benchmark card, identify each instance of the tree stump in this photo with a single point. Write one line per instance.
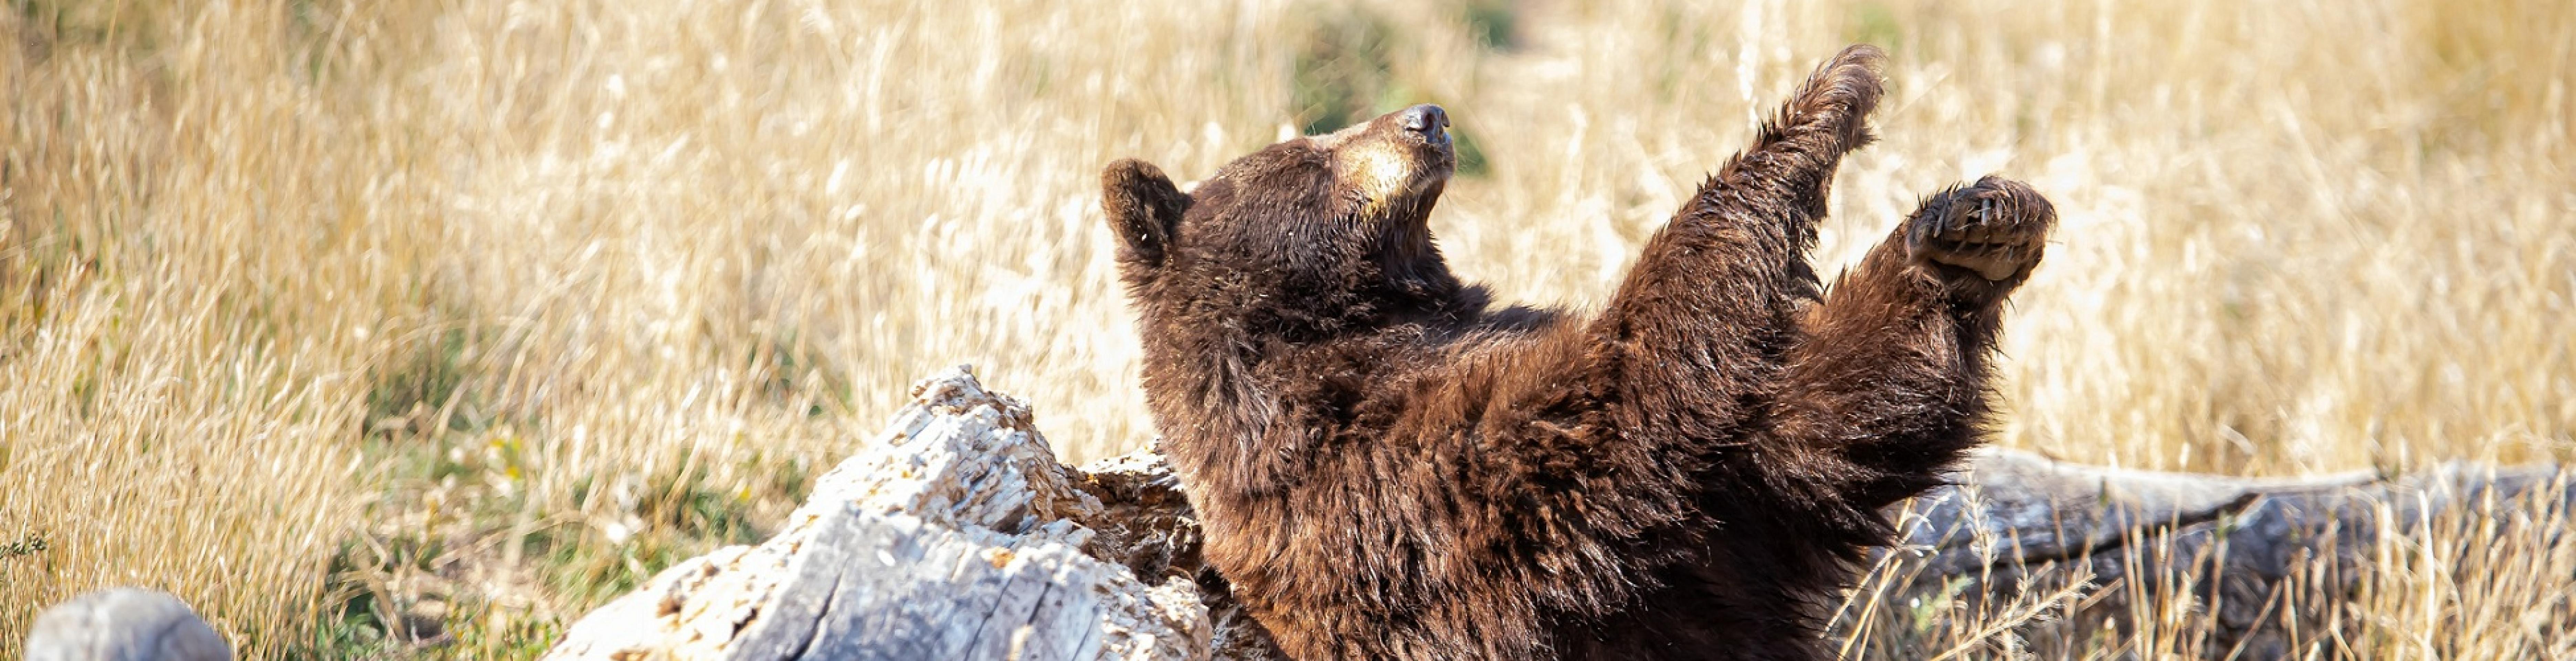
(953, 535)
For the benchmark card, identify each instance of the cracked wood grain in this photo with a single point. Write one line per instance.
(953, 534)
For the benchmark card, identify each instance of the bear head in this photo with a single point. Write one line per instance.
(1305, 238)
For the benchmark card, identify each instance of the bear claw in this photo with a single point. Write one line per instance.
(1995, 229)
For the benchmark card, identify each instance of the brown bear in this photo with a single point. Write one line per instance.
(1389, 466)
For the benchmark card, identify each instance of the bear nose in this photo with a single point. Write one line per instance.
(1426, 119)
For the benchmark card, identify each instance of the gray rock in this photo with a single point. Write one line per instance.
(124, 624)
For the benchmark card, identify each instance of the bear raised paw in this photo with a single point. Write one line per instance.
(1389, 466)
(1994, 228)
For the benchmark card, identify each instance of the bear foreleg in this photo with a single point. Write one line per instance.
(1699, 324)
(1889, 383)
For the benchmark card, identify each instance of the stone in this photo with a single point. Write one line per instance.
(124, 624)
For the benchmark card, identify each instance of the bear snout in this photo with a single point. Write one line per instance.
(1426, 120)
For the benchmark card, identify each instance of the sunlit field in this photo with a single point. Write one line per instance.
(415, 328)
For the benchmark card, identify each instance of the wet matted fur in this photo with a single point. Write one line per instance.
(1388, 466)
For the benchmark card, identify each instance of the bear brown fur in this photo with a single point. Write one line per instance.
(1389, 466)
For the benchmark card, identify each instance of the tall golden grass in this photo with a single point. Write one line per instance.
(307, 304)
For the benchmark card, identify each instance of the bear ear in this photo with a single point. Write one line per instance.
(1144, 209)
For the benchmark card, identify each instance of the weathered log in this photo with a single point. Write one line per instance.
(955, 535)
(2261, 560)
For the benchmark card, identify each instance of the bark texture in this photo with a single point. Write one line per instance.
(2263, 560)
(953, 534)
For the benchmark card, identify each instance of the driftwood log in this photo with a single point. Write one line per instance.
(2266, 563)
(954, 534)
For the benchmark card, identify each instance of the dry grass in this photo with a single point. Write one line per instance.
(488, 308)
